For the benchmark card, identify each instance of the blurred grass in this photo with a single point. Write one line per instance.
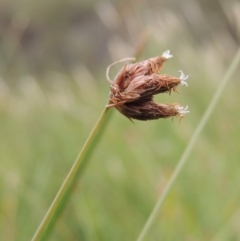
(45, 119)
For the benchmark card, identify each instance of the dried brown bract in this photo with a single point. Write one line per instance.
(132, 90)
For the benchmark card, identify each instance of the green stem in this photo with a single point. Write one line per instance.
(190, 146)
(64, 192)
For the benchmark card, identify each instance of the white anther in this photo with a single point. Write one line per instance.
(183, 77)
(167, 54)
(182, 110)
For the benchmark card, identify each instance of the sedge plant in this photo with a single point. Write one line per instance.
(131, 93)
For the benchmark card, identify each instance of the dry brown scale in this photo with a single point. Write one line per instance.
(132, 90)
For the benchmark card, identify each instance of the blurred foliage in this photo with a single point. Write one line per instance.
(38, 36)
(53, 56)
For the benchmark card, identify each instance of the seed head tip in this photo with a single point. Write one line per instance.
(182, 110)
(183, 77)
(167, 54)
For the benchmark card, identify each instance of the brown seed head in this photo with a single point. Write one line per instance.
(134, 86)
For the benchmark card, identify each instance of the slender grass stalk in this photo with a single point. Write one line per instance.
(190, 145)
(64, 192)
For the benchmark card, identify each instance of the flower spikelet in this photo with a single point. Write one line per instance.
(132, 90)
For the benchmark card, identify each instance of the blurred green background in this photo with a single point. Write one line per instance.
(53, 56)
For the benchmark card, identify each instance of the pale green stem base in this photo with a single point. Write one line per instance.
(191, 144)
(64, 192)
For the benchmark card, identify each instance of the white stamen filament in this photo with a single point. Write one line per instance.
(167, 54)
(183, 77)
(182, 110)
